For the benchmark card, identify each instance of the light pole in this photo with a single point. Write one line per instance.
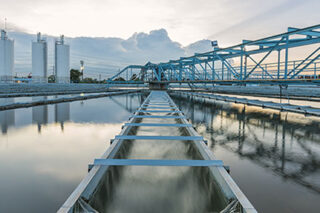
(81, 68)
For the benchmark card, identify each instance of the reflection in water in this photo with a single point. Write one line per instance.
(62, 113)
(6, 117)
(40, 113)
(158, 189)
(287, 144)
(128, 104)
(50, 165)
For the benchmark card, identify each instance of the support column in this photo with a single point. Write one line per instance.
(213, 71)
(241, 63)
(279, 58)
(222, 70)
(245, 66)
(286, 59)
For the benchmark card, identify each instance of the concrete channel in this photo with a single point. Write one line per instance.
(157, 163)
(63, 99)
(307, 110)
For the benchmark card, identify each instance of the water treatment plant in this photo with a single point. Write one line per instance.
(234, 129)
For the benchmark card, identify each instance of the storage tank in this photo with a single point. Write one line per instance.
(39, 60)
(62, 61)
(6, 58)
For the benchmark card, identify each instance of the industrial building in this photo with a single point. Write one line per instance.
(39, 60)
(6, 58)
(62, 61)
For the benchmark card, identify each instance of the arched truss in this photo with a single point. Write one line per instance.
(245, 62)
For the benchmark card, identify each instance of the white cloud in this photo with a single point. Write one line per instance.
(107, 55)
(186, 21)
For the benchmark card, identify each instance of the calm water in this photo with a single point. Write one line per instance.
(159, 189)
(274, 156)
(44, 151)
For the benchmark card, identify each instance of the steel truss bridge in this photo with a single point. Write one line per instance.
(264, 60)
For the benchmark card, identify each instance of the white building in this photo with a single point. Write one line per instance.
(62, 61)
(6, 58)
(39, 60)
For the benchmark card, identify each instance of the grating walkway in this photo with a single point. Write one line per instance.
(158, 98)
(157, 107)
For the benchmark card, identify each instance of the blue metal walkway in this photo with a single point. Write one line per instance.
(244, 63)
(78, 199)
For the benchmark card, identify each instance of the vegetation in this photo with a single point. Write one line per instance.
(51, 79)
(75, 76)
(90, 81)
(119, 79)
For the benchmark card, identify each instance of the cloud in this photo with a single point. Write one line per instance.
(198, 47)
(273, 19)
(114, 23)
(106, 56)
(186, 21)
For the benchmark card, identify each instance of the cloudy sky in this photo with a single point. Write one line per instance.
(138, 31)
(186, 21)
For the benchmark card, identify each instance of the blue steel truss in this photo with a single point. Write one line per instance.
(238, 63)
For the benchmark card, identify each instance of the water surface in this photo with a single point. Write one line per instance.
(274, 156)
(45, 150)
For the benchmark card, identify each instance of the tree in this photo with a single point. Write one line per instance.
(51, 79)
(119, 79)
(75, 76)
(89, 81)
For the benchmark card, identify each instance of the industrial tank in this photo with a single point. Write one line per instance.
(39, 60)
(6, 58)
(62, 61)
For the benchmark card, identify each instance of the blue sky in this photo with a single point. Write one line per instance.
(186, 21)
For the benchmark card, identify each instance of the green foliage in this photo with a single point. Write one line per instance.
(75, 76)
(119, 79)
(92, 81)
(51, 79)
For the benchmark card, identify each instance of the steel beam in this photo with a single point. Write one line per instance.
(152, 137)
(158, 124)
(156, 162)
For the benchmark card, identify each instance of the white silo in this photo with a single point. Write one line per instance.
(39, 60)
(62, 61)
(6, 58)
